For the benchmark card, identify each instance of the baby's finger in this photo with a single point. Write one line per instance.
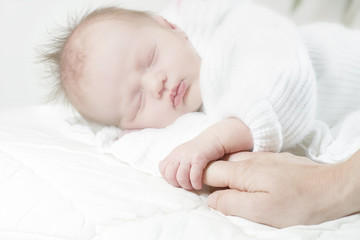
(183, 177)
(170, 173)
(196, 173)
(162, 166)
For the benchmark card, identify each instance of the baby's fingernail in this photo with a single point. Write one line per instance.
(198, 187)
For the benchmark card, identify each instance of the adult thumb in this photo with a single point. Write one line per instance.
(237, 203)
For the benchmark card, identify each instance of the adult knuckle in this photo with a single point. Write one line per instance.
(243, 166)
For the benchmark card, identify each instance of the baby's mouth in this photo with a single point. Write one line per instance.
(177, 94)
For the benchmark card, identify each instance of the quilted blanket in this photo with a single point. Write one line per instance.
(55, 184)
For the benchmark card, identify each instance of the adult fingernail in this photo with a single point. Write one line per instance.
(212, 200)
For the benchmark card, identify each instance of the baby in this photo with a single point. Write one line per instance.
(241, 64)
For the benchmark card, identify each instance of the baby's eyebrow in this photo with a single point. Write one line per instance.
(143, 57)
(139, 55)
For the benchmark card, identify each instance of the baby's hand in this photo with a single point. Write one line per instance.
(185, 164)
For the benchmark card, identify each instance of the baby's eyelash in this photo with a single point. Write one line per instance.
(138, 105)
(153, 56)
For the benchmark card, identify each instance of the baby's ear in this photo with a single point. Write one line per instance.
(165, 23)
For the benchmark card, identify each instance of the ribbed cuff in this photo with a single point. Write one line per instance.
(265, 129)
(262, 121)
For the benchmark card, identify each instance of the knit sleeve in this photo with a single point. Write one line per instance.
(270, 83)
(335, 54)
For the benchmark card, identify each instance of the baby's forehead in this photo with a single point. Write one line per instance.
(92, 36)
(81, 42)
(93, 33)
(133, 20)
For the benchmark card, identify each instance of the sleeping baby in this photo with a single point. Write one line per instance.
(244, 66)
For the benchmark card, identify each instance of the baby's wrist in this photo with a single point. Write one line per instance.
(237, 136)
(228, 136)
(209, 140)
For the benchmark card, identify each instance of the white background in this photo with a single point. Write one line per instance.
(25, 25)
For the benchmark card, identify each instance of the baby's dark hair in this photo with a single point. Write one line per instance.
(64, 55)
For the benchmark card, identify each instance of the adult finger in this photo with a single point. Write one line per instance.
(233, 173)
(239, 156)
(218, 173)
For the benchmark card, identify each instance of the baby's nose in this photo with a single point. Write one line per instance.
(154, 83)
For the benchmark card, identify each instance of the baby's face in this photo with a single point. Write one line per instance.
(138, 76)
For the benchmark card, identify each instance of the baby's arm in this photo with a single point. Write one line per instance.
(185, 164)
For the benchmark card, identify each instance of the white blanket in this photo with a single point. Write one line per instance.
(55, 185)
(144, 149)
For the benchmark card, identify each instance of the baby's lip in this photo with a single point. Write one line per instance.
(177, 93)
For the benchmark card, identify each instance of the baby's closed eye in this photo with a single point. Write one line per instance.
(152, 56)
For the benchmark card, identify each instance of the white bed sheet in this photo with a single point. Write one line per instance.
(55, 185)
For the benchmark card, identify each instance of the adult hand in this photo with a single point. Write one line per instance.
(281, 189)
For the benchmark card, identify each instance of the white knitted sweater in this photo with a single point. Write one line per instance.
(335, 54)
(254, 67)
